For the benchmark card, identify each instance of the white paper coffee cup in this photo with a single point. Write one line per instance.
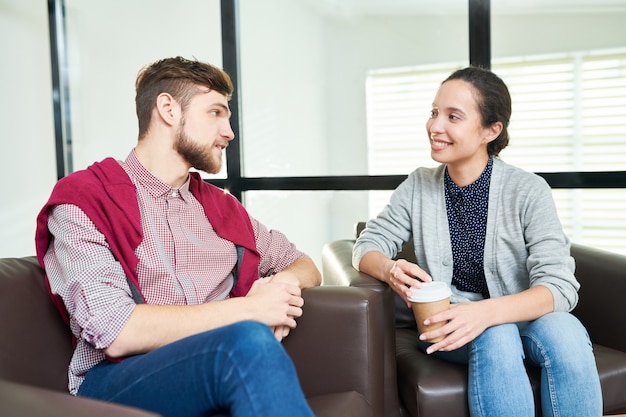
(432, 298)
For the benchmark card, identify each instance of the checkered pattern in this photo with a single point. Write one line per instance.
(181, 261)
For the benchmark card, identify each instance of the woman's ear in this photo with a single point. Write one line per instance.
(493, 131)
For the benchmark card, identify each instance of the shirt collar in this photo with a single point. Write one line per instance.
(481, 184)
(151, 183)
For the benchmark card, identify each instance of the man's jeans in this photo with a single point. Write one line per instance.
(499, 386)
(237, 370)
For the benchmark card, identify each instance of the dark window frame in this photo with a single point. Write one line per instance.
(479, 54)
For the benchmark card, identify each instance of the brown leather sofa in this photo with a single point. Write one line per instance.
(430, 387)
(337, 349)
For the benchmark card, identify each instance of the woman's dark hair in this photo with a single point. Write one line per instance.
(493, 100)
(178, 77)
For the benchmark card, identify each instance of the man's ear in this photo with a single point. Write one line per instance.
(168, 109)
(493, 131)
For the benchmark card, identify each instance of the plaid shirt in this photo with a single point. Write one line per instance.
(181, 261)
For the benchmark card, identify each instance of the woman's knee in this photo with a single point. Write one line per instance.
(557, 336)
(502, 337)
(500, 346)
(559, 329)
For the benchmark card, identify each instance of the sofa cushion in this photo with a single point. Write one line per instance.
(429, 385)
(37, 353)
(612, 369)
(344, 404)
(17, 400)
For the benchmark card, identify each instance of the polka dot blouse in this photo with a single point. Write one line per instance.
(467, 219)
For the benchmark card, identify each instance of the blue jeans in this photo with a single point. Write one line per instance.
(498, 383)
(237, 370)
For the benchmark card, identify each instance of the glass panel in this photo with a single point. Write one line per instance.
(304, 69)
(399, 101)
(565, 63)
(108, 42)
(594, 217)
(569, 111)
(310, 219)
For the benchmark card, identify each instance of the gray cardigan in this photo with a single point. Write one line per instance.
(525, 244)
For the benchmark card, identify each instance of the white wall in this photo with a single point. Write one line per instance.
(303, 84)
(27, 158)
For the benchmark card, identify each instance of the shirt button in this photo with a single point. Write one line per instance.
(446, 261)
(174, 194)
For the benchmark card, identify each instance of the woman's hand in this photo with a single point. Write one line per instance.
(403, 275)
(466, 321)
(400, 275)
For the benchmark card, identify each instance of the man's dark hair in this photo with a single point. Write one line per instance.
(179, 77)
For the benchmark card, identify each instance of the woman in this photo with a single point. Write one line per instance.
(491, 231)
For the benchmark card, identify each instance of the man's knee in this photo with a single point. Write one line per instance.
(251, 332)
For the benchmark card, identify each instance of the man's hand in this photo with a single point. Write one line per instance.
(303, 274)
(279, 303)
(281, 332)
(285, 277)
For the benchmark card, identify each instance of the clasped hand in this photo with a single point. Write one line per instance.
(277, 302)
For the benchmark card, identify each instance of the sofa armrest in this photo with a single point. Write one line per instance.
(17, 400)
(338, 343)
(601, 306)
(337, 270)
(337, 267)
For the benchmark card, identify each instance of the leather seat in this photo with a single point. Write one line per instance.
(427, 386)
(337, 348)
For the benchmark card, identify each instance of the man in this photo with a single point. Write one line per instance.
(176, 297)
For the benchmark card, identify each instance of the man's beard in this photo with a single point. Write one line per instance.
(195, 155)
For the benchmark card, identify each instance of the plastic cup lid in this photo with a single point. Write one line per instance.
(430, 291)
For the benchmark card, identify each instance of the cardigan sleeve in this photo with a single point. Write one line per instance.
(527, 246)
(549, 262)
(388, 231)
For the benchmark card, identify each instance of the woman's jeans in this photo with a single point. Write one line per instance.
(499, 386)
(237, 370)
